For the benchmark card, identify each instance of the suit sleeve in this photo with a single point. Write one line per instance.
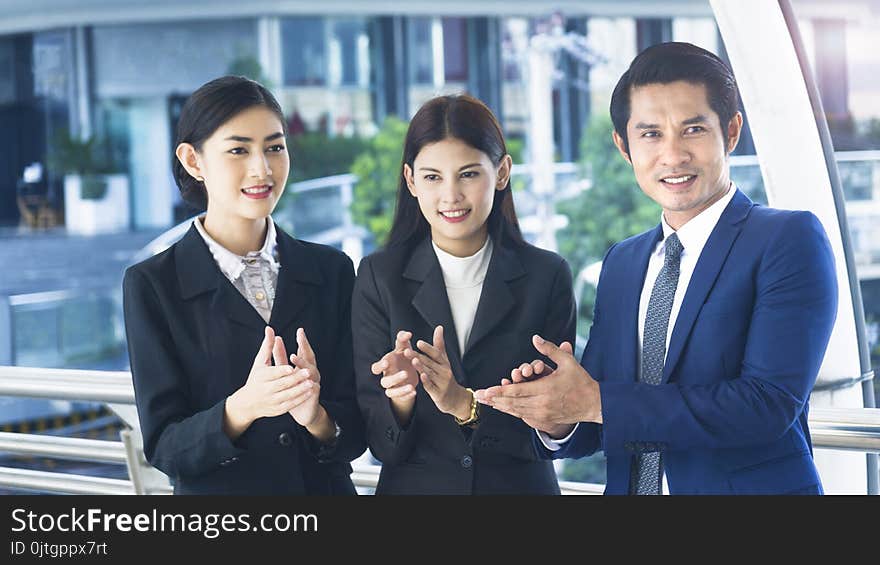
(388, 440)
(791, 322)
(587, 437)
(337, 385)
(177, 440)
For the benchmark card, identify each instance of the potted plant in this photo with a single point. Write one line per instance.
(96, 198)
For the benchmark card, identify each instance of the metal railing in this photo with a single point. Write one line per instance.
(851, 429)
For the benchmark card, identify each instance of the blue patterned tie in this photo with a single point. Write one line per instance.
(647, 468)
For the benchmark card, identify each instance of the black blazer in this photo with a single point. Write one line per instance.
(192, 338)
(526, 291)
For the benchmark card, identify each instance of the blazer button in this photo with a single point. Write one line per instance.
(467, 462)
(389, 433)
(285, 439)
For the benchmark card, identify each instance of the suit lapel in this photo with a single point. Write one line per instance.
(297, 279)
(432, 302)
(197, 273)
(631, 293)
(496, 299)
(705, 274)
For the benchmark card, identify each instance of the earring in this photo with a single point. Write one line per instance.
(200, 179)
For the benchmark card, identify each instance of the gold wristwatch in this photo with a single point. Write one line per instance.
(475, 411)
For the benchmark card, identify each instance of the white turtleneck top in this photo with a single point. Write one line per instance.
(463, 277)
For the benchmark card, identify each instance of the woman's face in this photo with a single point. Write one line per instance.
(455, 185)
(245, 165)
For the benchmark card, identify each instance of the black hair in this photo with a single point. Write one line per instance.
(208, 108)
(671, 62)
(467, 119)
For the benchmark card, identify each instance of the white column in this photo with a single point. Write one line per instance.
(541, 66)
(269, 51)
(81, 115)
(793, 167)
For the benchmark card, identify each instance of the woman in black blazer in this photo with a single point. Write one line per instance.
(449, 305)
(222, 408)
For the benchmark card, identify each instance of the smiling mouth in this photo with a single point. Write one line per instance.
(259, 191)
(454, 216)
(680, 180)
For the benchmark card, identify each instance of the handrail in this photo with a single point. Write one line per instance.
(851, 429)
(839, 428)
(78, 449)
(846, 428)
(62, 483)
(367, 476)
(67, 384)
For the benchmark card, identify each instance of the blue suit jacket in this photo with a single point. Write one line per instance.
(730, 415)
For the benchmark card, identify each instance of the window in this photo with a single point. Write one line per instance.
(305, 51)
(455, 49)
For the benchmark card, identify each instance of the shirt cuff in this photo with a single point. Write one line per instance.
(555, 444)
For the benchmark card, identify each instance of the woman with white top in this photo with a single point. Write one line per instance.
(210, 321)
(449, 305)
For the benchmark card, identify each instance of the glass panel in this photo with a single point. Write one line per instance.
(455, 49)
(841, 48)
(420, 52)
(304, 43)
(351, 37)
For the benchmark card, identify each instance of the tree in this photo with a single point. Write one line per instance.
(248, 66)
(612, 209)
(378, 172)
(315, 154)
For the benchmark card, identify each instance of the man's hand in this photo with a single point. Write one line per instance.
(556, 401)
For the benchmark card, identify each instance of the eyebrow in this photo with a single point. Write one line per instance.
(698, 119)
(468, 166)
(248, 139)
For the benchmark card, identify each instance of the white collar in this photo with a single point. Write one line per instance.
(696, 231)
(464, 272)
(231, 264)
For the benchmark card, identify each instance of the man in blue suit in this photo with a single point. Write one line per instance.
(708, 330)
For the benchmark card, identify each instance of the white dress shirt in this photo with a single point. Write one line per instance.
(255, 275)
(693, 236)
(463, 277)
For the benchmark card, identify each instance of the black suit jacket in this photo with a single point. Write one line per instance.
(192, 338)
(526, 291)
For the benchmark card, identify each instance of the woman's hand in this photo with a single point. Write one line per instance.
(309, 413)
(399, 377)
(269, 390)
(436, 375)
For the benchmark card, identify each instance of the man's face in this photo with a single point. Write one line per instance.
(677, 149)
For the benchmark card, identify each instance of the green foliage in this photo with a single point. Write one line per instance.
(314, 155)
(89, 158)
(585, 470)
(611, 210)
(248, 66)
(70, 155)
(378, 172)
(515, 147)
